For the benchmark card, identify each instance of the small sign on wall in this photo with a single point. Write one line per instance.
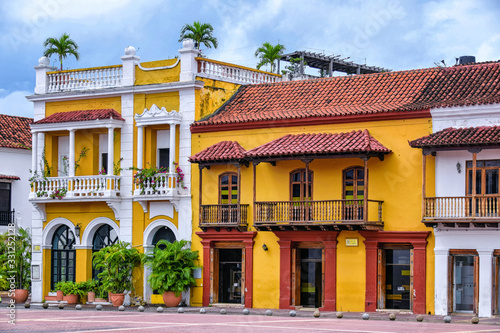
(37, 248)
(351, 242)
(35, 272)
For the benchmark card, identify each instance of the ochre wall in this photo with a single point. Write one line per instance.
(157, 76)
(397, 181)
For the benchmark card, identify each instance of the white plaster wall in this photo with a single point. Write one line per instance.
(482, 241)
(17, 162)
(448, 181)
(465, 116)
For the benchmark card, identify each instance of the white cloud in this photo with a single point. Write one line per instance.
(16, 104)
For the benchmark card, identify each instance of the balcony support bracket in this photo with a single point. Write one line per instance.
(115, 207)
(40, 207)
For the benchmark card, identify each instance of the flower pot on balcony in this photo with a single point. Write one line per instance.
(170, 299)
(20, 295)
(117, 299)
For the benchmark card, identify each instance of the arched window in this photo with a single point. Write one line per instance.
(298, 185)
(228, 188)
(353, 194)
(104, 236)
(63, 256)
(163, 233)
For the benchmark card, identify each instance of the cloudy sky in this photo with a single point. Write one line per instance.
(395, 34)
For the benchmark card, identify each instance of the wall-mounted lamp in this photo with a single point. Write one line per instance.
(264, 246)
(459, 167)
(77, 229)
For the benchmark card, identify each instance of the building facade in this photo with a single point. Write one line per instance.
(464, 210)
(96, 133)
(15, 151)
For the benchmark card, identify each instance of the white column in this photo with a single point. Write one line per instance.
(140, 145)
(441, 282)
(189, 65)
(111, 150)
(172, 145)
(71, 153)
(485, 281)
(129, 61)
(42, 80)
(34, 153)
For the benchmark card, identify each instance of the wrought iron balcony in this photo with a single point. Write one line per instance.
(7, 217)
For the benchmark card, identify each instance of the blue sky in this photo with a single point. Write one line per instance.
(395, 34)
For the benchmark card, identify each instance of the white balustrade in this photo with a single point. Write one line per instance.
(80, 186)
(160, 184)
(227, 72)
(92, 78)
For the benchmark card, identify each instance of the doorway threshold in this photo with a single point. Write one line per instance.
(228, 305)
(394, 311)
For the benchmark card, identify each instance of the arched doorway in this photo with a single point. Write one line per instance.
(62, 256)
(103, 237)
(163, 233)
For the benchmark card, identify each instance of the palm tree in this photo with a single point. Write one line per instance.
(62, 47)
(200, 33)
(268, 54)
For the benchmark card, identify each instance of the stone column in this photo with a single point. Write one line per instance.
(285, 271)
(441, 281)
(42, 79)
(71, 161)
(189, 65)
(111, 150)
(485, 282)
(129, 61)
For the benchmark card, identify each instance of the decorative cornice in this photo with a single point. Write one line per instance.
(155, 116)
(158, 68)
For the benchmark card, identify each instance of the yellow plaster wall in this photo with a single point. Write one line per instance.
(213, 94)
(83, 104)
(157, 76)
(397, 181)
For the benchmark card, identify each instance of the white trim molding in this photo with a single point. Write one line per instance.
(50, 229)
(91, 228)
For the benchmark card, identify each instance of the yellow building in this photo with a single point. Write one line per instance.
(91, 128)
(310, 195)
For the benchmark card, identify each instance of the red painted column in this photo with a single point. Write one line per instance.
(330, 275)
(206, 272)
(248, 272)
(371, 247)
(285, 271)
(419, 275)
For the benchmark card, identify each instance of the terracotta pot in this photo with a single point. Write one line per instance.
(20, 295)
(71, 298)
(91, 296)
(170, 299)
(117, 299)
(59, 296)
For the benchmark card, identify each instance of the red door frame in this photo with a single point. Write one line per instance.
(286, 243)
(209, 238)
(373, 240)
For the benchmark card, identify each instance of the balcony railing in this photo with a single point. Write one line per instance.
(7, 217)
(322, 212)
(233, 73)
(162, 184)
(83, 79)
(223, 216)
(461, 208)
(79, 187)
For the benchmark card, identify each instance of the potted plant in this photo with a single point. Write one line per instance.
(117, 262)
(72, 290)
(15, 263)
(172, 266)
(91, 287)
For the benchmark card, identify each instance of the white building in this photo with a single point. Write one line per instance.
(15, 157)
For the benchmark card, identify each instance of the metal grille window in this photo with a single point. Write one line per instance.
(104, 236)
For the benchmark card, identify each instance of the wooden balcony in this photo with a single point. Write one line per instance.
(318, 215)
(223, 216)
(462, 212)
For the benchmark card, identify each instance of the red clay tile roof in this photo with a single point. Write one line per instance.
(15, 132)
(460, 137)
(368, 94)
(9, 177)
(81, 115)
(320, 144)
(222, 151)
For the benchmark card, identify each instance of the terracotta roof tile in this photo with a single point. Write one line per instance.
(81, 115)
(15, 132)
(320, 144)
(402, 91)
(9, 177)
(460, 137)
(222, 151)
